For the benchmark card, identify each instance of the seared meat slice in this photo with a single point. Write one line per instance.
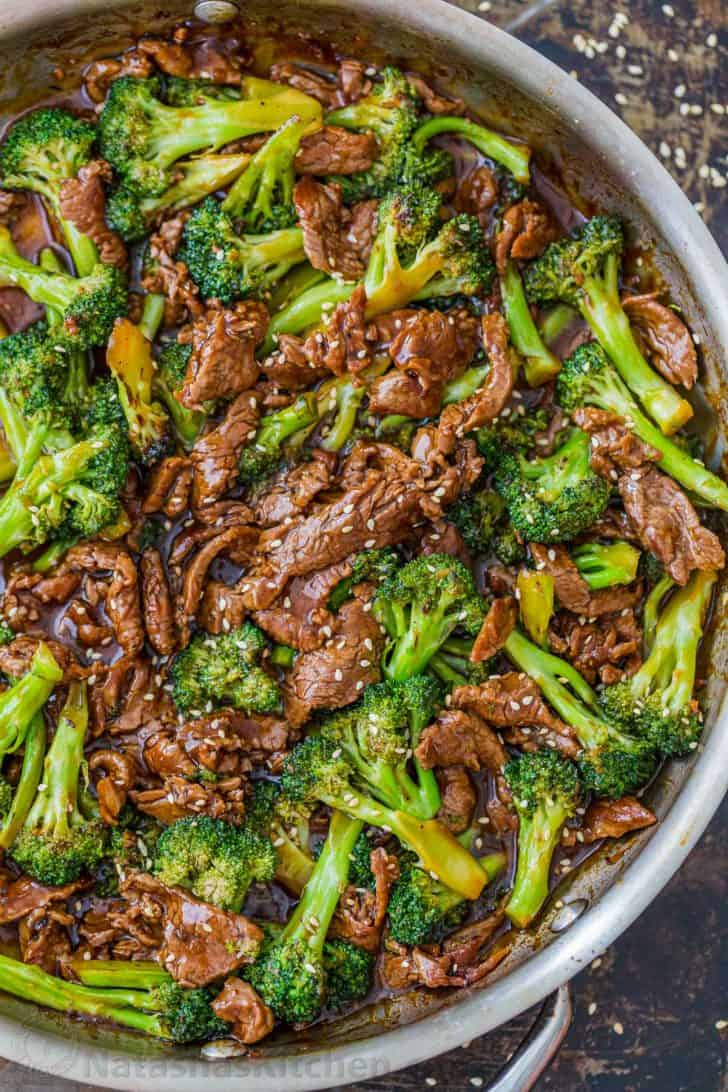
(82, 202)
(223, 361)
(240, 1005)
(336, 239)
(664, 337)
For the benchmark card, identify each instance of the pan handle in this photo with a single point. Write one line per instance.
(540, 1046)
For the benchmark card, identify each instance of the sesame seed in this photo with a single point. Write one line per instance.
(618, 1028)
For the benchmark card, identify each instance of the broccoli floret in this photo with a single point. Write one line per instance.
(535, 590)
(136, 995)
(196, 92)
(289, 973)
(228, 266)
(57, 841)
(605, 564)
(513, 433)
(368, 567)
(317, 770)
(588, 378)
(554, 498)
(269, 812)
(514, 157)
(658, 700)
(481, 519)
(142, 137)
(360, 866)
(378, 733)
(583, 271)
(420, 606)
(224, 670)
(539, 363)
(266, 451)
(133, 214)
(421, 909)
(348, 970)
(41, 151)
(453, 666)
(390, 111)
(546, 793)
(6, 633)
(171, 372)
(615, 760)
(34, 371)
(88, 305)
(129, 356)
(214, 860)
(262, 198)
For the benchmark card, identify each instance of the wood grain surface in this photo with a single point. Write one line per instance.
(652, 1013)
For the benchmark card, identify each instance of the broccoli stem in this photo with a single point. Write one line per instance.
(22, 701)
(347, 402)
(294, 866)
(539, 364)
(538, 838)
(113, 973)
(548, 671)
(601, 307)
(515, 157)
(329, 878)
(603, 566)
(416, 641)
(16, 430)
(293, 285)
(536, 603)
(152, 315)
(54, 291)
(31, 983)
(282, 656)
(555, 321)
(457, 390)
(651, 611)
(57, 800)
(306, 310)
(7, 462)
(52, 555)
(30, 775)
(269, 178)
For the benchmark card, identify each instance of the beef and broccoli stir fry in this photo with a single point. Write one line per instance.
(356, 558)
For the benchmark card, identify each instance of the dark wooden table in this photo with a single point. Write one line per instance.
(652, 1013)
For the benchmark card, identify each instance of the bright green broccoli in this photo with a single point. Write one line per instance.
(421, 909)
(583, 270)
(514, 157)
(615, 759)
(224, 670)
(168, 381)
(368, 567)
(348, 970)
(481, 519)
(513, 432)
(133, 214)
(57, 841)
(41, 151)
(556, 497)
(179, 91)
(227, 266)
(546, 794)
(266, 451)
(535, 591)
(658, 698)
(289, 973)
(420, 606)
(318, 770)
(24, 699)
(269, 812)
(261, 200)
(88, 305)
(605, 564)
(142, 137)
(539, 363)
(214, 860)
(589, 379)
(136, 995)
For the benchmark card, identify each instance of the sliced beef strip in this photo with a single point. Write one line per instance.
(335, 675)
(168, 487)
(461, 738)
(126, 696)
(221, 608)
(118, 772)
(614, 447)
(488, 401)
(18, 897)
(336, 239)
(476, 194)
(514, 701)
(668, 525)
(99, 75)
(192, 62)
(665, 337)
(178, 798)
(157, 608)
(611, 819)
(300, 618)
(294, 365)
(456, 962)
(340, 347)
(16, 657)
(360, 915)
(292, 491)
(348, 85)
(222, 363)
(458, 798)
(82, 202)
(605, 650)
(43, 937)
(200, 942)
(499, 623)
(237, 538)
(240, 1006)
(215, 456)
(527, 230)
(332, 150)
(430, 349)
(433, 101)
(123, 605)
(171, 278)
(225, 743)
